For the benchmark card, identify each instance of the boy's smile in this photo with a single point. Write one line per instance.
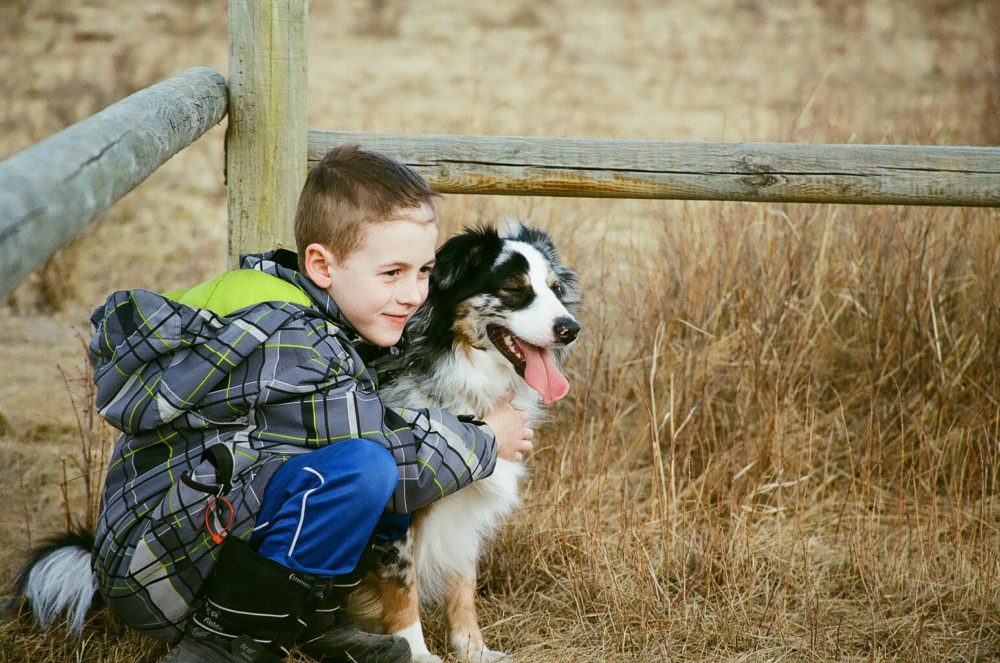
(379, 286)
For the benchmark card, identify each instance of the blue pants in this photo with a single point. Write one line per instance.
(321, 508)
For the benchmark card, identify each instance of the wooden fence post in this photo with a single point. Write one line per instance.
(266, 138)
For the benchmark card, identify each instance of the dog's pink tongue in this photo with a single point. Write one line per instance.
(541, 373)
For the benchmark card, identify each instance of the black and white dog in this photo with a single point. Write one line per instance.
(499, 315)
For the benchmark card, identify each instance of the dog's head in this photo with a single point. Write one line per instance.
(503, 290)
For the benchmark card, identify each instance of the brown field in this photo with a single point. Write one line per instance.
(783, 436)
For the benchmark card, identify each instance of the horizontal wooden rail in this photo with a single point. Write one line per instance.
(766, 172)
(51, 190)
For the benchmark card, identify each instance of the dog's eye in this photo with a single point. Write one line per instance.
(558, 289)
(515, 289)
(516, 294)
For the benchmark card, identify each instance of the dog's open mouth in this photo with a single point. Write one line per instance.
(533, 363)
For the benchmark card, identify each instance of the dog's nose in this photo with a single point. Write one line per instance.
(566, 330)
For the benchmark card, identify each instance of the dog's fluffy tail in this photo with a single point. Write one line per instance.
(58, 580)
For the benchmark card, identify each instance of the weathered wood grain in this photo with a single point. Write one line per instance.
(773, 172)
(52, 190)
(266, 142)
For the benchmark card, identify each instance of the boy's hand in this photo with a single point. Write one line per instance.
(510, 426)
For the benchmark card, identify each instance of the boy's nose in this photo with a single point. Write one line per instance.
(411, 293)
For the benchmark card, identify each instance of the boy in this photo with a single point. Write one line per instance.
(259, 473)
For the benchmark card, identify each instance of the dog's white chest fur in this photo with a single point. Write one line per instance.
(454, 528)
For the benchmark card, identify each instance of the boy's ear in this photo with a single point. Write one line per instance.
(317, 260)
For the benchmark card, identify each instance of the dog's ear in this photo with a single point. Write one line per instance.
(517, 229)
(460, 256)
(511, 228)
(450, 268)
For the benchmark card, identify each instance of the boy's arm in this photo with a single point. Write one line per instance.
(442, 454)
(318, 401)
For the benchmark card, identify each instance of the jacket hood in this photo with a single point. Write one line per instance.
(283, 264)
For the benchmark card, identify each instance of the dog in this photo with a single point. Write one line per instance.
(499, 316)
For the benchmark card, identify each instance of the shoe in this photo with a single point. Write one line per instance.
(337, 640)
(330, 637)
(253, 610)
(202, 647)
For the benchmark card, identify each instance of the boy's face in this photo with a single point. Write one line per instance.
(379, 286)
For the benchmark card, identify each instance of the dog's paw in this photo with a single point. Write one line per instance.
(427, 658)
(484, 656)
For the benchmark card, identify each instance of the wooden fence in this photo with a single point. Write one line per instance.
(52, 190)
(763, 172)
(49, 192)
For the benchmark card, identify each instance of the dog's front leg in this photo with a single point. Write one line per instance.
(401, 615)
(397, 589)
(466, 637)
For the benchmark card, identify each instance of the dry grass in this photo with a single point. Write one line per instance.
(792, 449)
(782, 438)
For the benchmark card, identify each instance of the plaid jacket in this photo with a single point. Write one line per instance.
(179, 373)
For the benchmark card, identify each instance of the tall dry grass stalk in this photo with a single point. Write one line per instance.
(84, 471)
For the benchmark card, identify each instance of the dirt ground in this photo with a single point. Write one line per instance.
(832, 71)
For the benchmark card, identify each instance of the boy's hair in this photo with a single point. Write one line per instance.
(347, 190)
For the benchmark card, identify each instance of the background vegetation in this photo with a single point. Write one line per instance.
(782, 437)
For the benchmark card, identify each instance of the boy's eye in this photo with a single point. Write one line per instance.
(392, 272)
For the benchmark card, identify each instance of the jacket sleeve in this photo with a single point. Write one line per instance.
(320, 401)
(436, 454)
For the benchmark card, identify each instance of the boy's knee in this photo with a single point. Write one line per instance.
(376, 459)
(377, 473)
